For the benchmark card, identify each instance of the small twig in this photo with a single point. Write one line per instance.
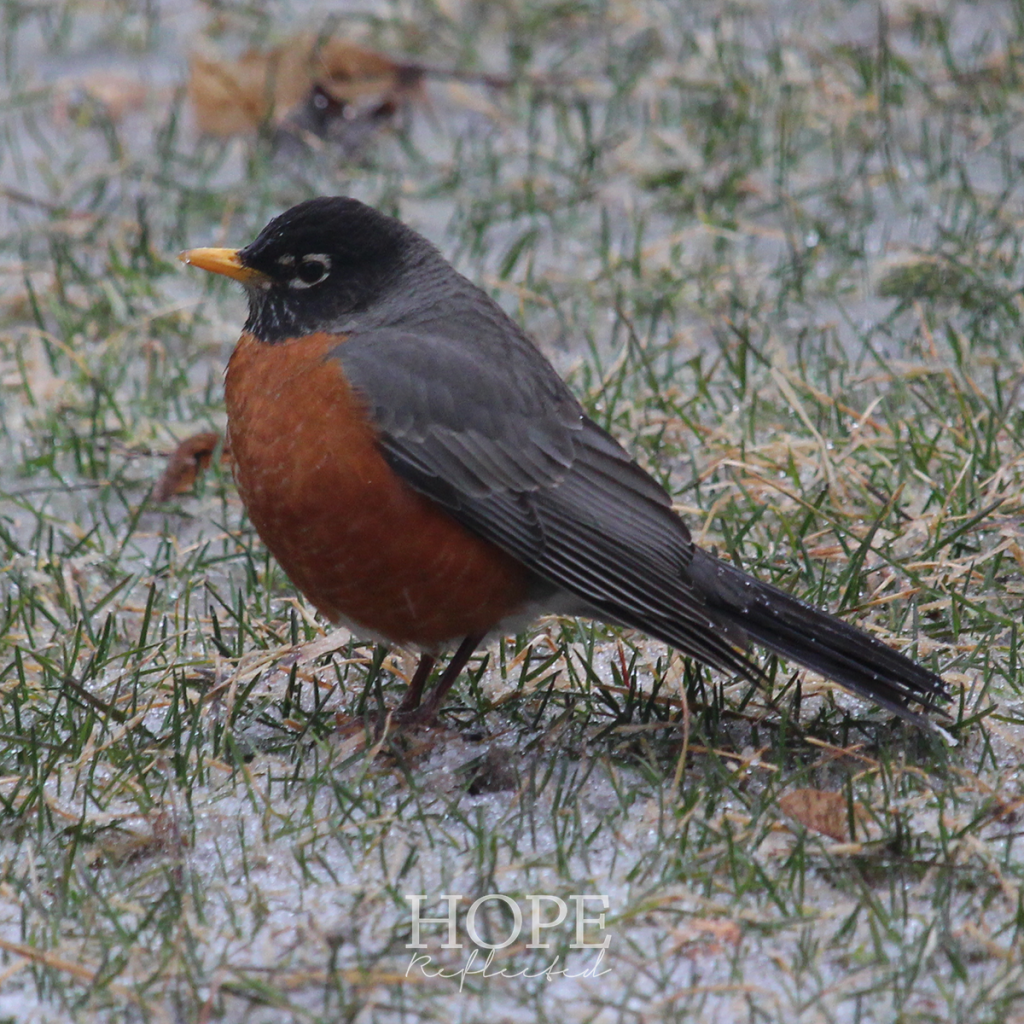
(17, 196)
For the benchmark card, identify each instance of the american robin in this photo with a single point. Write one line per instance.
(422, 474)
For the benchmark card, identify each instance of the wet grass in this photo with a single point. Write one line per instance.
(778, 255)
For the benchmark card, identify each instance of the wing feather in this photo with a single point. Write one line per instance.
(538, 479)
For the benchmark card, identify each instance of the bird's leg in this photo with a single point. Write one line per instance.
(424, 714)
(414, 693)
(451, 673)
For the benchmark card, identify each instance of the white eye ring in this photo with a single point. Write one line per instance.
(306, 264)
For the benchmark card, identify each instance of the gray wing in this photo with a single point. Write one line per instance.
(504, 446)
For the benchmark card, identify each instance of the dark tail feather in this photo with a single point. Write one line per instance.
(815, 639)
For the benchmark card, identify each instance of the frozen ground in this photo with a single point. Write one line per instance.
(776, 250)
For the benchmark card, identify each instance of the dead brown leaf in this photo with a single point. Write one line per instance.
(187, 463)
(820, 811)
(236, 97)
(114, 94)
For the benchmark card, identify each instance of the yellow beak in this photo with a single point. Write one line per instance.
(223, 261)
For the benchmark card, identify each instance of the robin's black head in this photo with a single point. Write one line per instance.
(316, 266)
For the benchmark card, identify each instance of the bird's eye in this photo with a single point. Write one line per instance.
(311, 270)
